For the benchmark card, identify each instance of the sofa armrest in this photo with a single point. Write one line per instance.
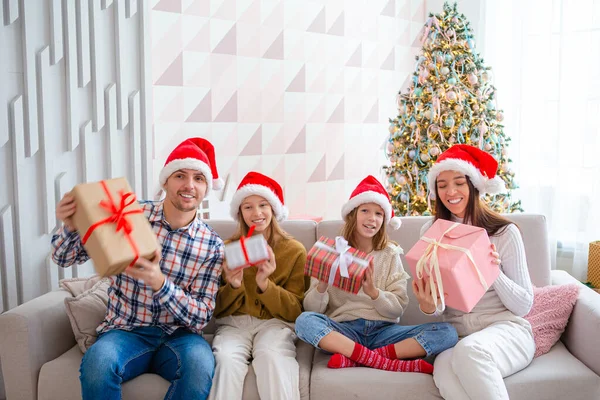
(31, 335)
(581, 335)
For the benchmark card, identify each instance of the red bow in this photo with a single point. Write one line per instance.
(243, 245)
(117, 216)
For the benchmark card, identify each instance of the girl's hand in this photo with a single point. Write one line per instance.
(234, 278)
(322, 287)
(265, 269)
(422, 291)
(495, 254)
(368, 284)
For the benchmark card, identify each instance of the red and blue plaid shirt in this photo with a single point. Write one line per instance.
(191, 261)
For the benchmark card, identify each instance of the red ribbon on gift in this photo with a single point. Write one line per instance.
(243, 245)
(117, 216)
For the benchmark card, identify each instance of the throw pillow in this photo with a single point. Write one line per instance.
(76, 286)
(552, 307)
(86, 311)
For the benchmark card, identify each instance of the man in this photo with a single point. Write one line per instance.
(157, 309)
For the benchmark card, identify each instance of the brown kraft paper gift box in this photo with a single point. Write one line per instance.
(593, 274)
(112, 251)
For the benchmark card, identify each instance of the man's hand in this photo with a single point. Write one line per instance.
(148, 271)
(65, 209)
(265, 269)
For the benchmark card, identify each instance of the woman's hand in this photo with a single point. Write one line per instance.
(495, 254)
(422, 290)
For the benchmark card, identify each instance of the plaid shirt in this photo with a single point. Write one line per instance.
(191, 261)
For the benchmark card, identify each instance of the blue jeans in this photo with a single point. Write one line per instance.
(311, 327)
(184, 358)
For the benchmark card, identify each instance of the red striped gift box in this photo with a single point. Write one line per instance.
(323, 263)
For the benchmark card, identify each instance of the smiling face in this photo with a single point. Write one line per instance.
(185, 189)
(369, 218)
(257, 211)
(453, 191)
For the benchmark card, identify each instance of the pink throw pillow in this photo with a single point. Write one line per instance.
(552, 307)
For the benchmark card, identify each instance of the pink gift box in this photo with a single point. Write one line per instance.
(464, 280)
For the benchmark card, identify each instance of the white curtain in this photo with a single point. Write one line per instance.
(545, 56)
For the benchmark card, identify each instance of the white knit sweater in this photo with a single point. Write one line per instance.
(512, 290)
(389, 277)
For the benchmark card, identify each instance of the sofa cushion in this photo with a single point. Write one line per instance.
(552, 307)
(59, 378)
(86, 311)
(557, 375)
(367, 383)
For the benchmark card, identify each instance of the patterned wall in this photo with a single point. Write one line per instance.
(300, 90)
(73, 109)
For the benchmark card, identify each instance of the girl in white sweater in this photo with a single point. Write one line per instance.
(495, 340)
(363, 329)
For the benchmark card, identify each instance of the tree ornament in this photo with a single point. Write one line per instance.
(472, 78)
(411, 154)
(451, 96)
(499, 116)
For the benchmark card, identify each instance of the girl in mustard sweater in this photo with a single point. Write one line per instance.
(256, 306)
(362, 329)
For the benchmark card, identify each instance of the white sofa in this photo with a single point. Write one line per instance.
(40, 359)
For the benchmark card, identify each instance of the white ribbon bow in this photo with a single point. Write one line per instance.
(344, 260)
(430, 257)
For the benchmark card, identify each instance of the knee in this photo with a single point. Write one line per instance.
(466, 353)
(99, 361)
(306, 322)
(198, 361)
(450, 334)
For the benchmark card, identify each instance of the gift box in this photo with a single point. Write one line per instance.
(112, 225)
(593, 274)
(335, 262)
(457, 260)
(246, 252)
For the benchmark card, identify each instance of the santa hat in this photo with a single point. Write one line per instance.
(197, 154)
(477, 164)
(255, 183)
(369, 190)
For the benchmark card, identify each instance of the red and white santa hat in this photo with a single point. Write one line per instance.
(255, 183)
(475, 163)
(369, 190)
(197, 154)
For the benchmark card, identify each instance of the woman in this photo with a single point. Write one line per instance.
(496, 341)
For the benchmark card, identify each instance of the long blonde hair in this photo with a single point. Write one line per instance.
(273, 234)
(380, 240)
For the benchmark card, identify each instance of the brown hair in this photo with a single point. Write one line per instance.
(380, 240)
(477, 212)
(273, 233)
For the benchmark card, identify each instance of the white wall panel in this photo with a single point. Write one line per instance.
(70, 71)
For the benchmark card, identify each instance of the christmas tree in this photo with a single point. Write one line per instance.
(450, 100)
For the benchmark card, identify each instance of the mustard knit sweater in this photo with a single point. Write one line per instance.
(285, 290)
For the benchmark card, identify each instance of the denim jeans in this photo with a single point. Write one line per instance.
(184, 358)
(311, 327)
